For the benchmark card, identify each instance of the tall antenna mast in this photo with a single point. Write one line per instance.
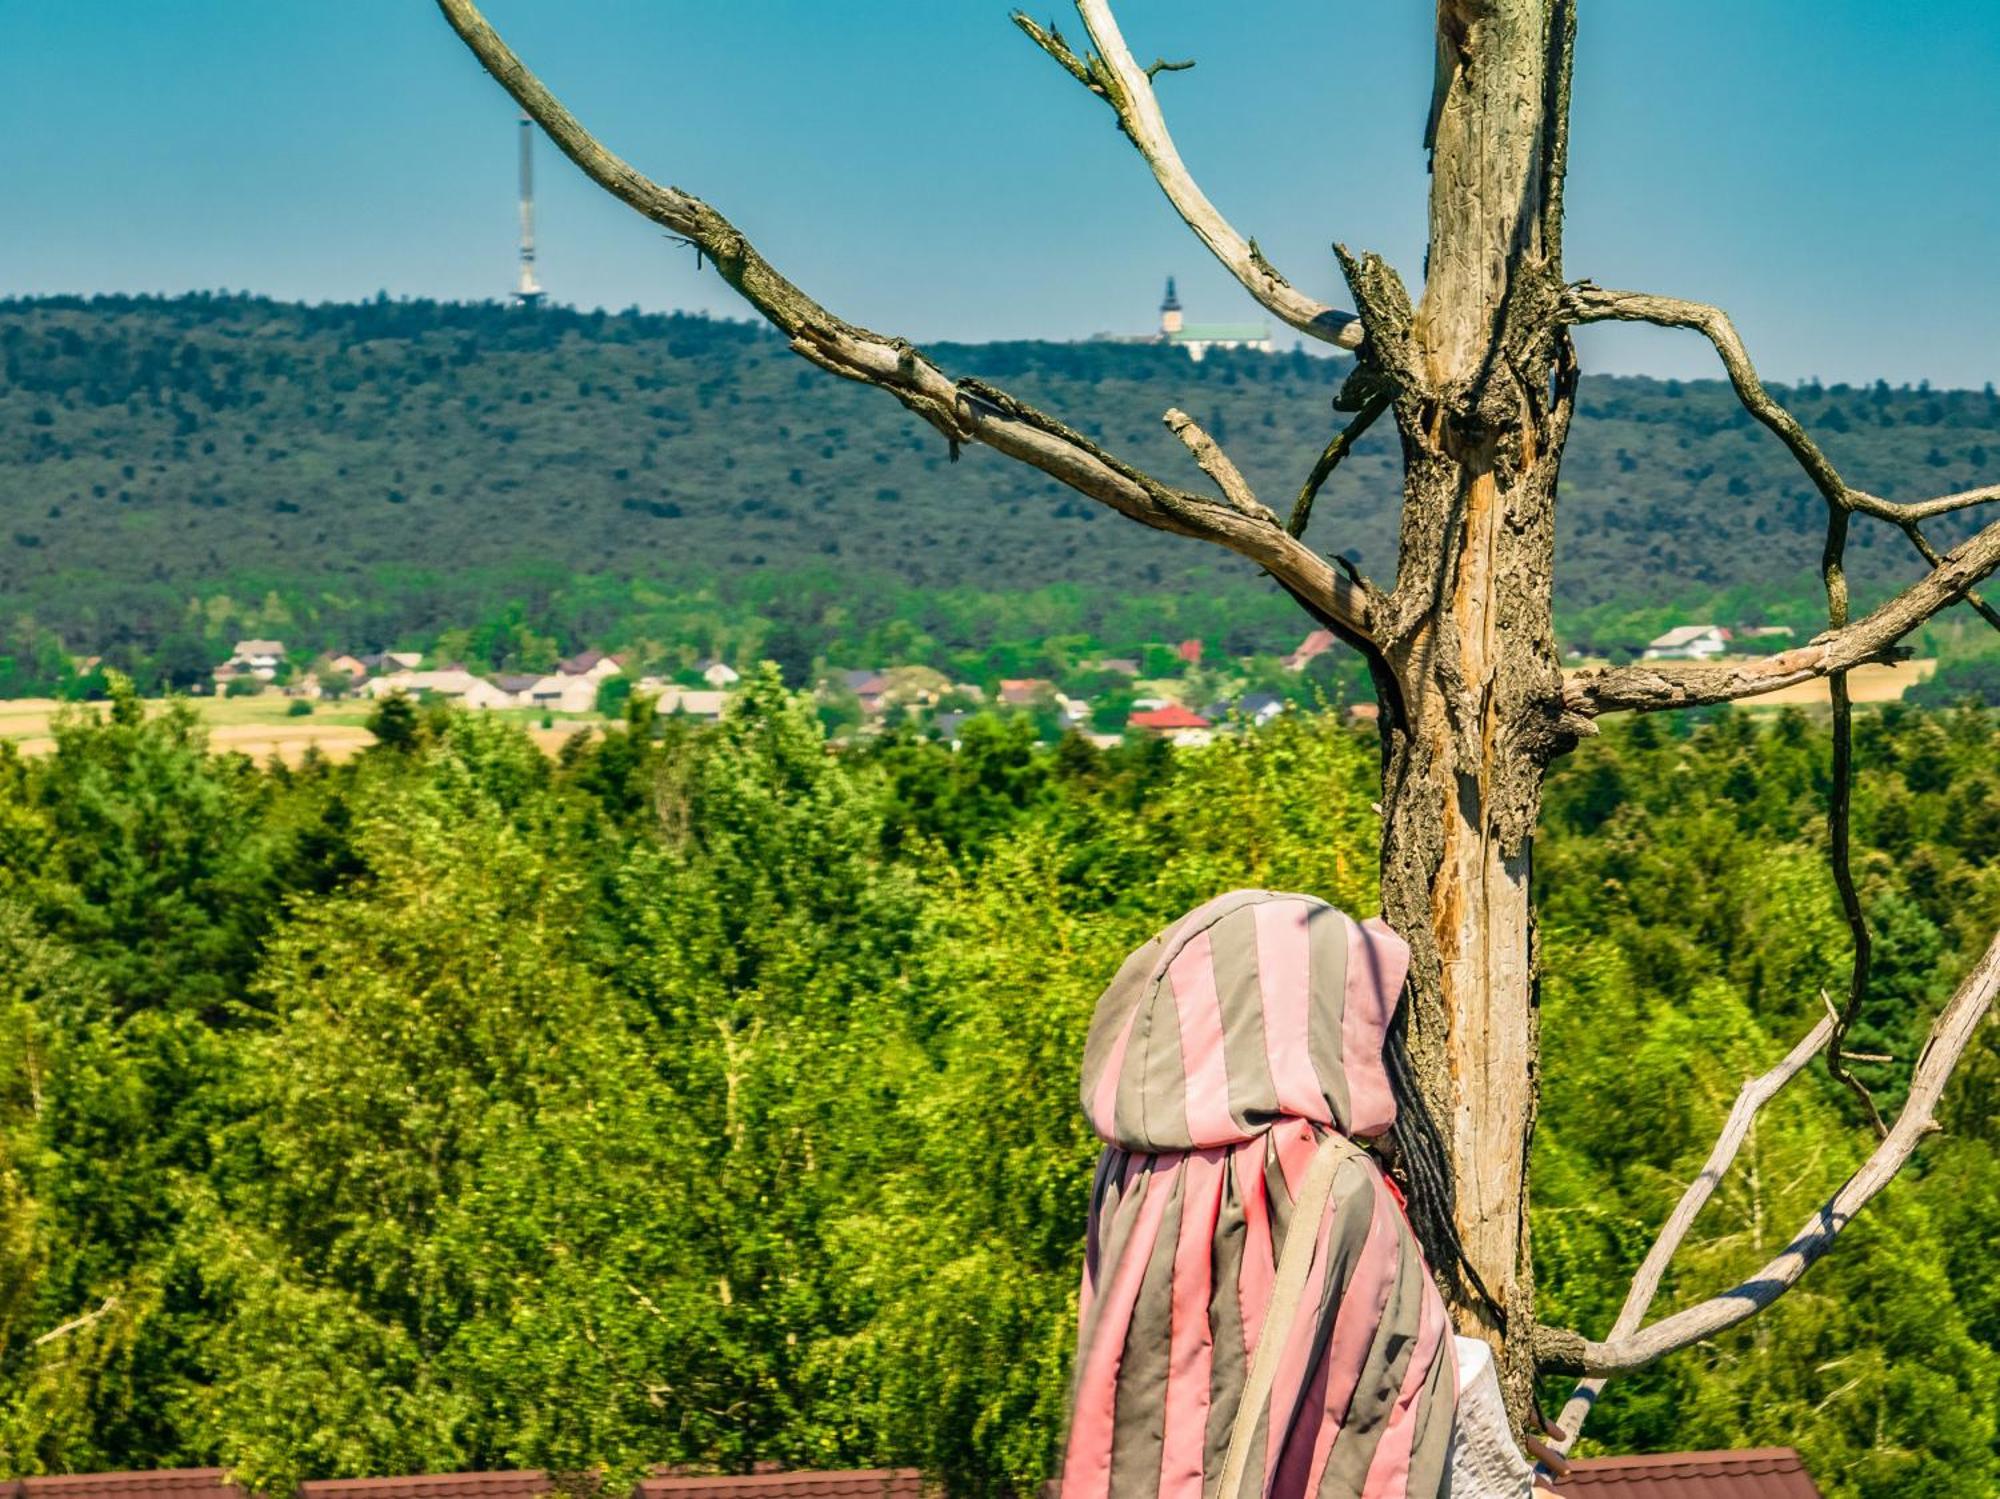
(528, 293)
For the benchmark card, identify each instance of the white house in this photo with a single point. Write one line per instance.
(484, 694)
(454, 683)
(565, 692)
(253, 658)
(594, 665)
(720, 674)
(705, 706)
(1688, 643)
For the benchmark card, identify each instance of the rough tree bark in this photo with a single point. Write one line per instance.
(1475, 712)
(1480, 376)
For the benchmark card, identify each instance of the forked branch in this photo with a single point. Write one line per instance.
(1566, 1352)
(962, 410)
(1115, 76)
(1755, 1093)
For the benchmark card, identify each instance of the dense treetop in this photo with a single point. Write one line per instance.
(704, 1097)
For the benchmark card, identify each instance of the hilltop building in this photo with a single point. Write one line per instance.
(1199, 338)
(527, 290)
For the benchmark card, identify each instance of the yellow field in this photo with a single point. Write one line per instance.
(1865, 684)
(260, 727)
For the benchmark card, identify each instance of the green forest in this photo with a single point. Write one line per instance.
(177, 473)
(706, 1097)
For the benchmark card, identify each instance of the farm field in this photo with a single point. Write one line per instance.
(262, 727)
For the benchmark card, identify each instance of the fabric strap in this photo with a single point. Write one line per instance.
(1287, 1287)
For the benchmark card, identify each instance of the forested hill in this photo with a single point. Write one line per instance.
(384, 470)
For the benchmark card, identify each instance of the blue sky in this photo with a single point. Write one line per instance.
(1822, 169)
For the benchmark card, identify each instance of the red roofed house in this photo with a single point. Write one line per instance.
(1172, 722)
(1189, 651)
(1024, 692)
(1311, 648)
(1761, 1473)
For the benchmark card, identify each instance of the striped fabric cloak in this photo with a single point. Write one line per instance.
(1223, 1051)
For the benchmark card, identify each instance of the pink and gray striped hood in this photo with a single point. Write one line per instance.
(1196, 1043)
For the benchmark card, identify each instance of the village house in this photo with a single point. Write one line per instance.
(563, 692)
(869, 685)
(1258, 708)
(1688, 643)
(719, 674)
(1189, 651)
(252, 658)
(1123, 666)
(516, 684)
(381, 661)
(1173, 723)
(1777, 635)
(592, 664)
(452, 683)
(705, 705)
(1025, 692)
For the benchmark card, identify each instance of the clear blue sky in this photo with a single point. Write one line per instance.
(1822, 167)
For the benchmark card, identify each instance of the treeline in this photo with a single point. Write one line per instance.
(704, 1097)
(182, 471)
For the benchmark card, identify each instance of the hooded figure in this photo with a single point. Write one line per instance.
(1224, 1053)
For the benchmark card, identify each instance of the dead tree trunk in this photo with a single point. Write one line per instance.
(1483, 378)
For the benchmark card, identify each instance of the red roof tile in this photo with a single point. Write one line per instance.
(866, 1483)
(212, 1483)
(159, 1483)
(525, 1484)
(1759, 1473)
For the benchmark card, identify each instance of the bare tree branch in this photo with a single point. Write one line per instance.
(1918, 510)
(1342, 444)
(1951, 1033)
(76, 1324)
(1755, 1093)
(1588, 303)
(1648, 686)
(1933, 556)
(1117, 78)
(1217, 465)
(962, 410)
